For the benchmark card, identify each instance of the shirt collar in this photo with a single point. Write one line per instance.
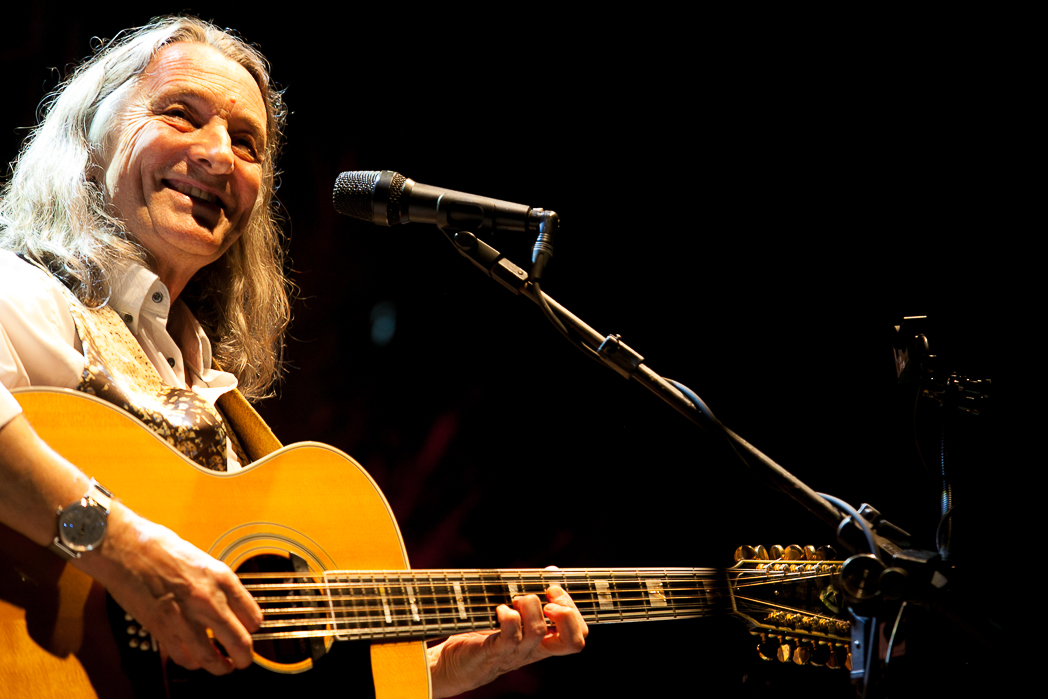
(136, 290)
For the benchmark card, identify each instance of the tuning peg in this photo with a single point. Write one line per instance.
(760, 553)
(839, 657)
(802, 654)
(785, 651)
(745, 553)
(768, 647)
(775, 552)
(793, 552)
(809, 553)
(821, 653)
(826, 553)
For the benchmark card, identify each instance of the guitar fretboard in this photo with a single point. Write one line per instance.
(413, 605)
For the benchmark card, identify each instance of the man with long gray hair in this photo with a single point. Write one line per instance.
(141, 262)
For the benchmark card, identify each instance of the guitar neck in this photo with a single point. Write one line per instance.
(412, 605)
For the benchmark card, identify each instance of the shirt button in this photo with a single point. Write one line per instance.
(171, 361)
(157, 297)
(128, 318)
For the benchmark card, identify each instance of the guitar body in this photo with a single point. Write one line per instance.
(307, 500)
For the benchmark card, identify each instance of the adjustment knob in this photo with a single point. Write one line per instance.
(775, 552)
(802, 655)
(793, 553)
(785, 652)
(861, 577)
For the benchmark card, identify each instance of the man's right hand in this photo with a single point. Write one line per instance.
(176, 592)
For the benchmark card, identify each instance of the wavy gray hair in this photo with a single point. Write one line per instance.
(52, 210)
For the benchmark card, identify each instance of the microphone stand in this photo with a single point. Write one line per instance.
(881, 581)
(615, 354)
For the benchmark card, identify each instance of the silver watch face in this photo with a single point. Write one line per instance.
(82, 528)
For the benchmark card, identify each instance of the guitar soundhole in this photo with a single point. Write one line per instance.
(289, 649)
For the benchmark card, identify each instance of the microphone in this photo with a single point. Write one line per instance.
(388, 198)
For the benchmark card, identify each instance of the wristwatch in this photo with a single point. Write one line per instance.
(82, 524)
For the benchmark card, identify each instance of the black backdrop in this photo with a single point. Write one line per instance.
(751, 210)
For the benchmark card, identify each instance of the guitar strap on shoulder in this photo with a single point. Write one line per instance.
(255, 437)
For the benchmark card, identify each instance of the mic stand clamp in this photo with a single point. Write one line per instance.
(619, 356)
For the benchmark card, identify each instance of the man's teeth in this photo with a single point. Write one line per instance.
(194, 192)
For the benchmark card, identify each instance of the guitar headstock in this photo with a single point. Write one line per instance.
(791, 598)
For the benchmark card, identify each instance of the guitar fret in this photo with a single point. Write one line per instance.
(380, 604)
(615, 598)
(485, 617)
(476, 599)
(412, 602)
(368, 603)
(385, 604)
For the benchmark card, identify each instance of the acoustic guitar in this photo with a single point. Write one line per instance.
(313, 538)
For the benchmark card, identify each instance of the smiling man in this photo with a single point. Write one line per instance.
(138, 253)
(186, 171)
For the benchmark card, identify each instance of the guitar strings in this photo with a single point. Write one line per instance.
(378, 609)
(471, 585)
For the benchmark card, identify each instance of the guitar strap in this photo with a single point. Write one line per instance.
(256, 439)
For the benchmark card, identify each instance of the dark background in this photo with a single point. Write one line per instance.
(751, 209)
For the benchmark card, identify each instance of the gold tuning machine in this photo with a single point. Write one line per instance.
(821, 652)
(745, 553)
(768, 647)
(825, 553)
(802, 654)
(839, 657)
(751, 553)
(789, 553)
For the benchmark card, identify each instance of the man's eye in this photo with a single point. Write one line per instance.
(248, 146)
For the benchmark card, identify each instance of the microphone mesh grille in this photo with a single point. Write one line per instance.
(355, 193)
(396, 188)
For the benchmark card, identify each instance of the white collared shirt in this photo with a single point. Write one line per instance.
(40, 346)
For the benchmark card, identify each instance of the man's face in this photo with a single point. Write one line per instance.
(186, 167)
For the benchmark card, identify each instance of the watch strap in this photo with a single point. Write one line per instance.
(100, 494)
(96, 494)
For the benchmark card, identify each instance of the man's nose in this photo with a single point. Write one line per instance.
(213, 148)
